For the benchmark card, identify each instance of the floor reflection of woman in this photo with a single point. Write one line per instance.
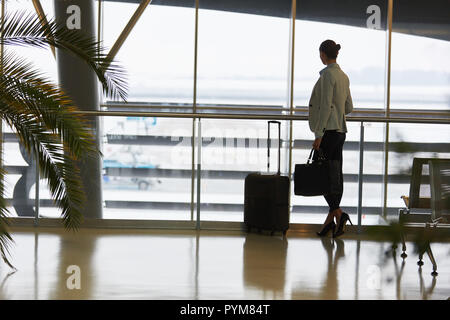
(330, 287)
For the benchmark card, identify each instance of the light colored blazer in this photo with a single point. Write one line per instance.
(330, 101)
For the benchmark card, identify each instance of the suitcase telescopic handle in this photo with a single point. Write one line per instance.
(279, 144)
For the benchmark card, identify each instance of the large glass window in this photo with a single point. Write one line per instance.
(420, 79)
(232, 149)
(148, 160)
(242, 57)
(243, 61)
(420, 72)
(158, 54)
(147, 168)
(362, 54)
(409, 141)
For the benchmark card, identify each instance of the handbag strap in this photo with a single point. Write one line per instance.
(310, 156)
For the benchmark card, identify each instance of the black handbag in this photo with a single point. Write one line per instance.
(319, 177)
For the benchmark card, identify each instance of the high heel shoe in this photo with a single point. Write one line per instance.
(330, 226)
(342, 222)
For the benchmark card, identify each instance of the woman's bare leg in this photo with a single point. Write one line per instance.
(329, 218)
(337, 214)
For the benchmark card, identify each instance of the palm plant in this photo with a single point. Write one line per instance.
(42, 115)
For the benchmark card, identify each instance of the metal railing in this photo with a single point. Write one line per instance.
(186, 115)
(254, 108)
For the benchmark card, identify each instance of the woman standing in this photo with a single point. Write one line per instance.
(330, 102)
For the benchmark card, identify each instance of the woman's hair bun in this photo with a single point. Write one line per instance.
(330, 48)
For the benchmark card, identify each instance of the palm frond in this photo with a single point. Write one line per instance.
(55, 163)
(25, 29)
(22, 86)
(43, 118)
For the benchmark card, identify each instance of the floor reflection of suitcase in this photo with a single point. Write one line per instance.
(264, 265)
(267, 196)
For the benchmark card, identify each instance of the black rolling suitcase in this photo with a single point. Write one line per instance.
(266, 204)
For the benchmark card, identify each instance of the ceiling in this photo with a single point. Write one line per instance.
(428, 18)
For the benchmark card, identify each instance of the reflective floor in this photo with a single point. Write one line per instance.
(166, 264)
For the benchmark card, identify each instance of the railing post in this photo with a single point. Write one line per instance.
(360, 175)
(193, 168)
(194, 111)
